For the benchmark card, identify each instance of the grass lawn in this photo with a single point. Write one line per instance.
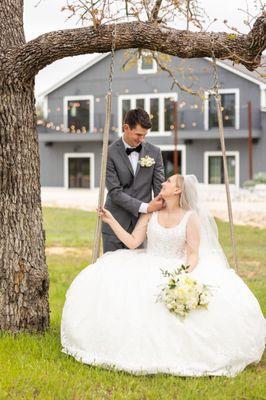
(33, 367)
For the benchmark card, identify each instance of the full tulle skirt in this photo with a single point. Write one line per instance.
(111, 318)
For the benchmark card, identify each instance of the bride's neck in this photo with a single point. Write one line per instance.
(172, 205)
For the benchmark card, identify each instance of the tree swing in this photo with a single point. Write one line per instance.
(97, 238)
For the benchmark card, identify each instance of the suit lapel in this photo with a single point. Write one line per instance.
(123, 154)
(141, 154)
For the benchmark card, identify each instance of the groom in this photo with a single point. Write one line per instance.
(129, 183)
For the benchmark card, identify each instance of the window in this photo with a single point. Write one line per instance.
(158, 106)
(78, 114)
(146, 63)
(168, 159)
(230, 105)
(214, 169)
(79, 170)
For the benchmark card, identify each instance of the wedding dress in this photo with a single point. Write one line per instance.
(111, 316)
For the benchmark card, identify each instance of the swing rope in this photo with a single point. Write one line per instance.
(108, 98)
(222, 141)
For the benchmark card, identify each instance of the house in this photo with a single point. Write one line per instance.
(71, 132)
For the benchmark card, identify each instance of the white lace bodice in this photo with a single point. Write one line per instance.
(167, 242)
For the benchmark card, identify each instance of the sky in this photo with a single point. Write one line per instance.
(41, 16)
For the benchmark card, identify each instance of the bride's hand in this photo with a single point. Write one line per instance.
(106, 216)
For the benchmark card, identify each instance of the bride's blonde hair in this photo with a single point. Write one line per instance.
(184, 201)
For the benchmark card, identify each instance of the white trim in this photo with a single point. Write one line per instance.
(237, 72)
(152, 70)
(80, 97)
(67, 156)
(146, 97)
(183, 149)
(208, 154)
(45, 108)
(74, 74)
(237, 106)
(263, 98)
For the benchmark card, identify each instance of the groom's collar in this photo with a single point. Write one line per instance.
(122, 141)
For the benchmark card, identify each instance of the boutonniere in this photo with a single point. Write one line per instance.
(146, 161)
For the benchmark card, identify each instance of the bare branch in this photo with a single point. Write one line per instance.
(184, 88)
(156, 9)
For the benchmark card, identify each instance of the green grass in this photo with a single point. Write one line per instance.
(33, 367)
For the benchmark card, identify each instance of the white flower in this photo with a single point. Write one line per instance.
(146, 161)
(182, 293)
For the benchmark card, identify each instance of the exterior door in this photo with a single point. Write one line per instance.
(79, 173)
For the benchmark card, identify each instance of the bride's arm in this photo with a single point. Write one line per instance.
(192, 241)
(133, 240)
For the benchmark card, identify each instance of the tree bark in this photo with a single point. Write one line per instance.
(29, 59)
(23, 272)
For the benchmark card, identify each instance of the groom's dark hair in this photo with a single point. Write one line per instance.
(137, 116)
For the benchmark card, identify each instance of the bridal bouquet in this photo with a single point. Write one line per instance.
(181, 294)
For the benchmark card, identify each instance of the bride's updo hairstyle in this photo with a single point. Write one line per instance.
(189, 196)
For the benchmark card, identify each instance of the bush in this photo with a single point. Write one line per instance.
(259, 178)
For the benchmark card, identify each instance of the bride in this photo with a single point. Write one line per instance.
(111, 317)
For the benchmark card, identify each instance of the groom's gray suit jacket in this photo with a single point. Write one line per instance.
(127, 191)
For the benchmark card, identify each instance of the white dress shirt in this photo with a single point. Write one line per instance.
(134, 158)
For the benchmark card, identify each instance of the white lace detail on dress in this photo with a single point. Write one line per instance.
(167, 242)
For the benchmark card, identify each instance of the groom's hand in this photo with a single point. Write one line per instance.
(156, 204)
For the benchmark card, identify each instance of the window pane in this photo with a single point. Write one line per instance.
(125, 108)
(228, 104)
(79, 173)
(146, 62)
(154, 114)
(168, 114)
(140, 103)
(168, 162)
(216, 169)
(231, 166)
(78, 115)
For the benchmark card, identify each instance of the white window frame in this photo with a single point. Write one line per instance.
(236, 92)
(208, 154)
(146, 97)
(263, 97)
(81, 97)
(180, 147)
(91, 156)
(152, 70)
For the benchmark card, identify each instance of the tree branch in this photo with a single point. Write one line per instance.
(25, 62)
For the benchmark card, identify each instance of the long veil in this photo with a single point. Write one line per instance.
(191, 199)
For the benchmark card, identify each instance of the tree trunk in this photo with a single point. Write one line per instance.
(23, 272)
